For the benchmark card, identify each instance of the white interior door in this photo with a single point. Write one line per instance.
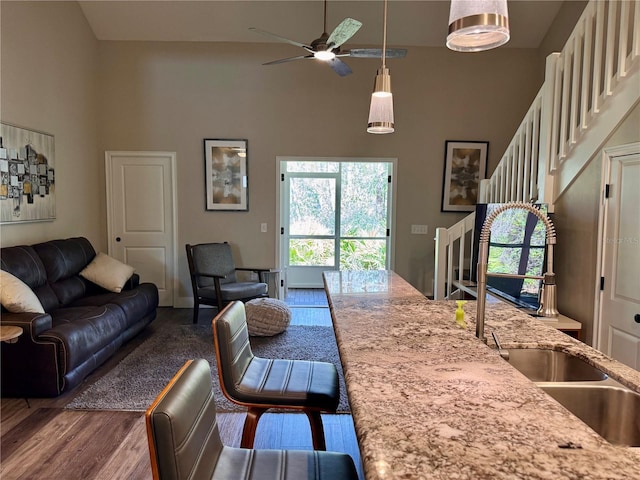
(620, 297)
(141, 215)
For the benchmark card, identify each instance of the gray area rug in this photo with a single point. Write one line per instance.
(135, 382)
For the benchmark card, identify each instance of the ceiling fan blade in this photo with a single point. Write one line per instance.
(339, 67)
(343, 32)
(377, 52)
(282, 39)
(290, 59)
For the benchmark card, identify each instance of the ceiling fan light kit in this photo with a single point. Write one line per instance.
(324, 55)
(478, 25)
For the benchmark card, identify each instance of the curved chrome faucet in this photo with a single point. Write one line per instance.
(548, 300)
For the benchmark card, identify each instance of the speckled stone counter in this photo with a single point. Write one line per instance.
(431, 401)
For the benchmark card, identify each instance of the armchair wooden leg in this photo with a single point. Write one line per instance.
(250, 426)
(196, 308)
(317, 430)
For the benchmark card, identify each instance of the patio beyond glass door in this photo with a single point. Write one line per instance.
(335, 217)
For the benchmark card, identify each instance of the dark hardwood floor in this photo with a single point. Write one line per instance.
(42, 440)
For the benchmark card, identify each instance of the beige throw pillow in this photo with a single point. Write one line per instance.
(16, 295)
(109, 273)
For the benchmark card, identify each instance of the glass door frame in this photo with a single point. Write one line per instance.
(282, 240)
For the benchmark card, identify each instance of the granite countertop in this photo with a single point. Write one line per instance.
(431, 401)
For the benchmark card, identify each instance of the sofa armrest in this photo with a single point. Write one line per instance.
(31, 323)
(132, 283)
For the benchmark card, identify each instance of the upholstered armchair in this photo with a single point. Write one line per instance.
(214, 280)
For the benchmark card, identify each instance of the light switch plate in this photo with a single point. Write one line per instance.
(420, 229)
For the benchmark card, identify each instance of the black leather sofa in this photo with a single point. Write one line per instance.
(83, 324)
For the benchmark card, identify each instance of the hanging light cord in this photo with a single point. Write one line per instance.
(384, 35)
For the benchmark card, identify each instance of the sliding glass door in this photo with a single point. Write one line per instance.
(335, 215)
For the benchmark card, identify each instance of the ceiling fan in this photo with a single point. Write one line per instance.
(326, 48)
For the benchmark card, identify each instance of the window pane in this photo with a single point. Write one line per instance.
(312, 206)
(364, 200)
(362, 254)
(311, 252)
(321, 167)
(509, 226)
(507, 260)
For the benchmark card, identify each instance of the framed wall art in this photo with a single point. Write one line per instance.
(225, 169)
(465, 164)
(27, 175)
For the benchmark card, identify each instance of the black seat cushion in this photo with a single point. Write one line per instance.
(82, 331)
(234, 291)
(269, 382)
(290, 382)
(135, 304)
(247, 464)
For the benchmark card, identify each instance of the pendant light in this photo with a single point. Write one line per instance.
(477, 25)
(381, 110)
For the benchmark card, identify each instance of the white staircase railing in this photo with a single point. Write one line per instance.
(453, 244)
(588, 90)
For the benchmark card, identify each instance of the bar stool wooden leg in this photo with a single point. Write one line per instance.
(317, 430)
(250, 426)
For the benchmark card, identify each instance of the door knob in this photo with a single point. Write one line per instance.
(636, 317)
(117, 239)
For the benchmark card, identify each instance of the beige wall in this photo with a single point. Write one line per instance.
(170, 96)
(96, 96)
(48, 83)
(576, 221)
(560, 29)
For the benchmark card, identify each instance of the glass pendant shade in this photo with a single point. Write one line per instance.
(477, 25)
(381, 110)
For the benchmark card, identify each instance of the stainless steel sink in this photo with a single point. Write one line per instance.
(551, 366)
(612, 411)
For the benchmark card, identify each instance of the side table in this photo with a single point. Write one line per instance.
(10, 333)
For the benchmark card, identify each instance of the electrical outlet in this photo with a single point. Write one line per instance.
(263, 227)
(420, 229)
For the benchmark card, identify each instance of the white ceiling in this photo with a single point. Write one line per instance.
(410, 23)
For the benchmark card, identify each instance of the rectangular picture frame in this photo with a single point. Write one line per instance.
(465, 164)
(226, 178)
(27, 175)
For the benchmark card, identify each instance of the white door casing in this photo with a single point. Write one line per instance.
(618, 330)
(141, 216)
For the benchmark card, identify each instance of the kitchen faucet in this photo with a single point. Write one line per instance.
(548, 300)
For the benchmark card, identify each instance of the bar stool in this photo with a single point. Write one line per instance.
(184, 440)
(261, 383)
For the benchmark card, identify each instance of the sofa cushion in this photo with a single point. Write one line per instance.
(16, 296)
(24, 263)
(109, 273)
(82, 331)
(135, 304)
(65, 258)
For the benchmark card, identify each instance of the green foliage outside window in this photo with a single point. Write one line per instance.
(363, 215)
(506, 247)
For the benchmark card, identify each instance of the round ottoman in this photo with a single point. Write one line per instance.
(267, 316)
